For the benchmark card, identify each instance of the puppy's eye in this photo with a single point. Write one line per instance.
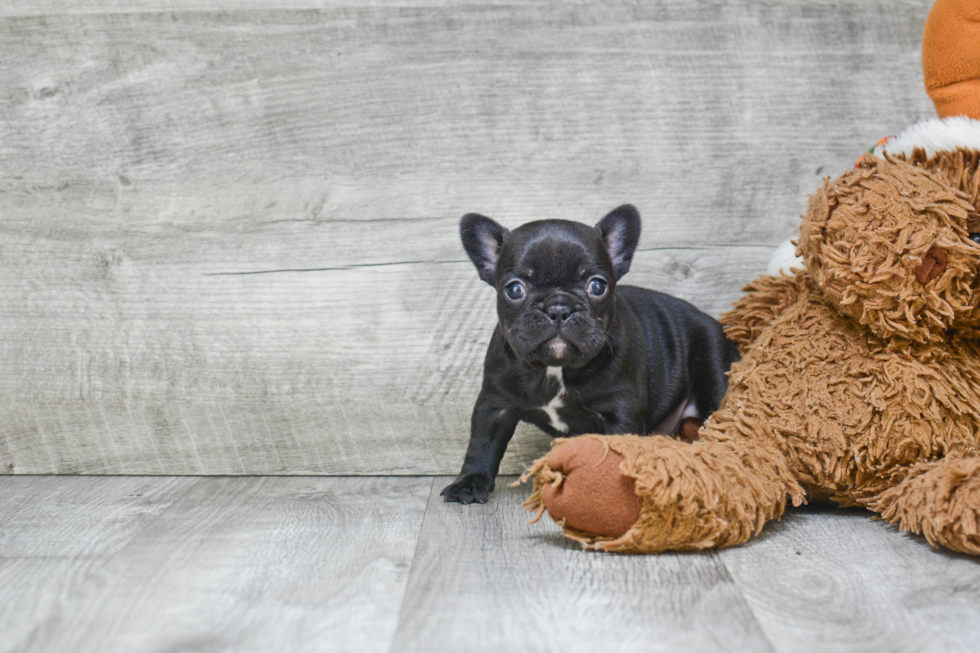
(975, 238)
(597, 287)
(515, 291)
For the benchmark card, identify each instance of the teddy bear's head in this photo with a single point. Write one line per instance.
(889, 243)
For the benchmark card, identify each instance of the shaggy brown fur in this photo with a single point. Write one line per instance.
(859, 382)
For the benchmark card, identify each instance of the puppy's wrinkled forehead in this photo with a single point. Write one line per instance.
(553, 252)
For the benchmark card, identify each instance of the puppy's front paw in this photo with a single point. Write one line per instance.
(469, 489)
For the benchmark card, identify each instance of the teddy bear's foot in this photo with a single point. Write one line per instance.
(940, 500)
(651, 494)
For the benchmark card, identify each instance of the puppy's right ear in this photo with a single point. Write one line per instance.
(482, 239)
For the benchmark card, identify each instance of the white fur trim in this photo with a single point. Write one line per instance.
(784, 258)
(935, 135)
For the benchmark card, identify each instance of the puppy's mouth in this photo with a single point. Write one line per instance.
(558, 348)
(569, 345)
(555, 351)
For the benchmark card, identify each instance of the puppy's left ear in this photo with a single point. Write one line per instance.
(620, 231)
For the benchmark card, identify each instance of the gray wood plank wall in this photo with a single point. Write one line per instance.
(228, 230)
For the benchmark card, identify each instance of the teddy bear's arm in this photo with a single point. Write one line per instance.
(652, 494)
(764, 299)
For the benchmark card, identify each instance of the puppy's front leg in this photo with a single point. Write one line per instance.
(491, 429)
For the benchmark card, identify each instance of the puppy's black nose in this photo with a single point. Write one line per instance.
(558, 313)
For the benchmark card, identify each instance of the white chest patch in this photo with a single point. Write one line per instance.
(551, 408)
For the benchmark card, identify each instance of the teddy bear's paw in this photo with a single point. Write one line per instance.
(580, 484)
(940, 500)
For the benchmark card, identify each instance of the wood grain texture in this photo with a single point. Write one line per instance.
(57, 533)
(229, 245)
(483, 580)
(834, 580)
(383, 564)
(72, 7)
(167, 364)
(79, 517)
(248, 564)
(714, 116)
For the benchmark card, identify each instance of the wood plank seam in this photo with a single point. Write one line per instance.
(745, 599)
(412, 568)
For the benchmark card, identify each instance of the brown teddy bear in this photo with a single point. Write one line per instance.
(860, 376)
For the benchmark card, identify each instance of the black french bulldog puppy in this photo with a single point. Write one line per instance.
(573, 352)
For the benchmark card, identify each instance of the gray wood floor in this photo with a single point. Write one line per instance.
(382, 564)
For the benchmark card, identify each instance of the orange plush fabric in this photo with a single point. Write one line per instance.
(859, 382)
(951, 57)
(601, 499)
